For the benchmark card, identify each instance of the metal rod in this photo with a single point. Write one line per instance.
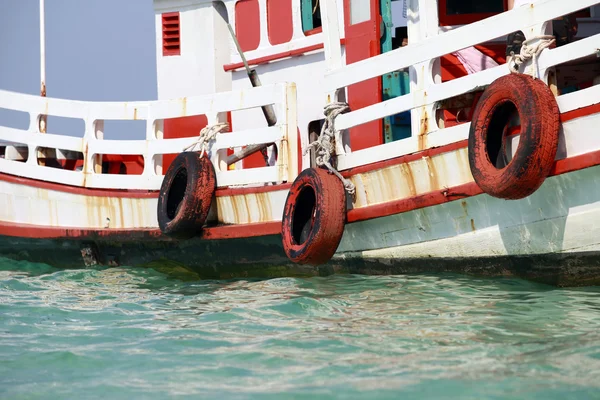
(43, 119)
(239, 49)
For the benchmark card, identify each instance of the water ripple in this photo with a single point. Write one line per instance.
(123, 333)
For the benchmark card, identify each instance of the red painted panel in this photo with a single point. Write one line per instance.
(247, 24)
(171, 34)
(279, 21)
(362, 42)
(452, 68)
(180, 128)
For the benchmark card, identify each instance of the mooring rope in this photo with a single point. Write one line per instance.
(529, 52)
(324, 145)
(207, 134)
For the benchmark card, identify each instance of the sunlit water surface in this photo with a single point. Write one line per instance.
(123, 333)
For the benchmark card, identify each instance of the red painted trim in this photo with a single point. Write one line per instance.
(277, 56)
(121, 193)
(131, 193)
(212, 233)
(252, 190)
(405, 159)
(413, 203)
(242, 231)
(580, 112)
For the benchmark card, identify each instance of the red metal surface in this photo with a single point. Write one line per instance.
(212, 233)
(179, 128)
(279, 21)
(247, 24)
(171, 34)
(362, 42)
(277, 56)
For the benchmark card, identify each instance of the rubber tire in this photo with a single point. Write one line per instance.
(534, 158)
(182, 210)
(321, 234)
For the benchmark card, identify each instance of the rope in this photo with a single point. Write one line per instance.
(324, 145)
(207, 134)
(530, 53)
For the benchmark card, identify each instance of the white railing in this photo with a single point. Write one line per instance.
(214, 107)
(420, 57)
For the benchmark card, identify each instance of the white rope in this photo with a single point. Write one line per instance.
(324, 145)
(529, 52)
(207, 134)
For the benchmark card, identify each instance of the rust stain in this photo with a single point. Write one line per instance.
(86, 158)
(463, 204)
(184, 106)
(423, 129)
(433, 178)
(464, 169)
(236, 213)
(135, 113)
(472, 225)
(264, 206)
(121, 213)
(408, 175)
(388, 189)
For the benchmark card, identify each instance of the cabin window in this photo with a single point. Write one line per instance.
(311, 16)
(247, 24)
(279, 21)
(459, 12)
(360, 11)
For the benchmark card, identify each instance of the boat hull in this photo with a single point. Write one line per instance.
(552, 236)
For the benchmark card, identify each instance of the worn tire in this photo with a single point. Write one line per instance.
(534, 158)
(314, 217)
(186, 195)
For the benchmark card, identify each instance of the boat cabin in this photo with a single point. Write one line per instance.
(283, 40)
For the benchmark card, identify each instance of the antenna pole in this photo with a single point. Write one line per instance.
(42, 62)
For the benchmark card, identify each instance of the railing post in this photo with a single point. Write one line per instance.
(423, 23)
(289, 144)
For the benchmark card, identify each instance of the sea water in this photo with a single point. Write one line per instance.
(127, 333)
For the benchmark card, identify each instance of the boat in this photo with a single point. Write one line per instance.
(313, 137)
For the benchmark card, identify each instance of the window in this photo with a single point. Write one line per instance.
(455, 7)
(247, 24)
(279, 21)
(311, 16)
(459, 12)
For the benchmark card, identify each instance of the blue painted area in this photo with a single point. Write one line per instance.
(394, 84)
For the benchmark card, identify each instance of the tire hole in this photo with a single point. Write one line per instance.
(176, 193)
(496, 134)
(303, 215)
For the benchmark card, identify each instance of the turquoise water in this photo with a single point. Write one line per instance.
(142, 334)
